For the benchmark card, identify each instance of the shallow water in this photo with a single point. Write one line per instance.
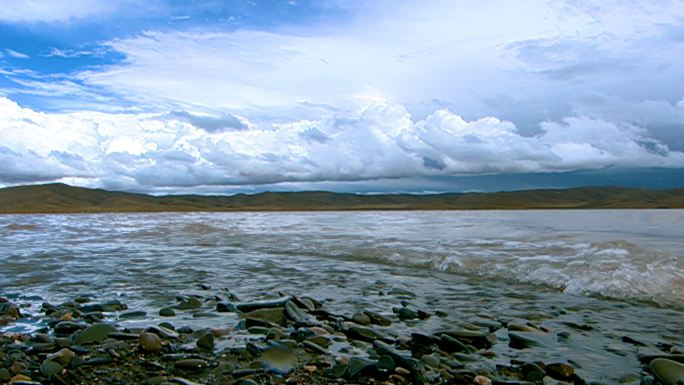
(619, 271)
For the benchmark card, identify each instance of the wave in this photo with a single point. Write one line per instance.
(618, 269)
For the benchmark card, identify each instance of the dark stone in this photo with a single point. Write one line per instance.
(667, 371)
(191, 364)
(377, 319)
(225, 307)
(50, 368)
(251, 306)
(68, 327)
(167, 312)
(452, 345)
(560, 371)
(296, 314)
(133, 314)
(358, 366)
(206, 342)
(364, 333)
(94, 333)
(480, 340)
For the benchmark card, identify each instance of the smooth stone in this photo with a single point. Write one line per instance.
(250, 306)
(166, 325)
(273, 315)
(5, 374)
(361, 318)
(406, 313)
(191, 363)
(306, 303)
(206, 342)
(190, 303)
(431, 360)
(401, 291)
(9, 309)
(167, 312)
(320, 341)
(452, 345)
(358, 365)
(133, 314)
(296, 314)
(386, 363)
(532, 372)
(225, 307)
(68, 327)
(523, 340)
(364, 333)
(478, 339)
(62, 357)
(163, 332)
(94, 333)
(409, 363)
(314, 347)
(560, 371)
(150, 342)
(114, 305)
(50, 368)
(668, 372)
(377, 318)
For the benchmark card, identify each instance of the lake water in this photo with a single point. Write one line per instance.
(619, 271)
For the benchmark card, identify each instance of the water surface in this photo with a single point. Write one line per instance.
(619, 271)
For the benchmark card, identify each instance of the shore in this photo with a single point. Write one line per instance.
(284, 339)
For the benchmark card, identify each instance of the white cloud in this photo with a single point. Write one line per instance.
(16, 54)
(369, 139)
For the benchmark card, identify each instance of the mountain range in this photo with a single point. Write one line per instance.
(62, 198)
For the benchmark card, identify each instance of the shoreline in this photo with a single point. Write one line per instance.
(550, 209)
(283, 339)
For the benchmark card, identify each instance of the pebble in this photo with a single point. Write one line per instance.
(296, 314)
(63, 356)
(167, 312)
(358, 365)
(5, 375)
(560, 371)
(668, 372)
(364, 333)
(94, 333)
(274, 315)
(206, 342)
(50, 368)
(150, 342)
(361, 318)
(191, 363)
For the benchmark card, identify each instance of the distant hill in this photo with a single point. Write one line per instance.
(61, 198)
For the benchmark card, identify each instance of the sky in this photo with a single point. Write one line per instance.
(220, 97)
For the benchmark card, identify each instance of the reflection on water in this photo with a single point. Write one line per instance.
(601, 268)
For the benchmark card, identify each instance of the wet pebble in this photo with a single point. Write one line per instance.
(150, 342)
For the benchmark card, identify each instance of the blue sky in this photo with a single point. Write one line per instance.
(436, 95)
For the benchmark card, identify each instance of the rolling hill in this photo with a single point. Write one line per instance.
(61, 198)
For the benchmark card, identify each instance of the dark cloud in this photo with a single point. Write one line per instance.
(211, 124)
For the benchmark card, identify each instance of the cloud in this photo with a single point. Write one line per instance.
(33, 11)
(17, 54)
(211, 124)
(370, 139)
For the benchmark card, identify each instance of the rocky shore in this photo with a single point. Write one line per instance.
(284, 339)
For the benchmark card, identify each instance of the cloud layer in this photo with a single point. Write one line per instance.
(369, 139)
